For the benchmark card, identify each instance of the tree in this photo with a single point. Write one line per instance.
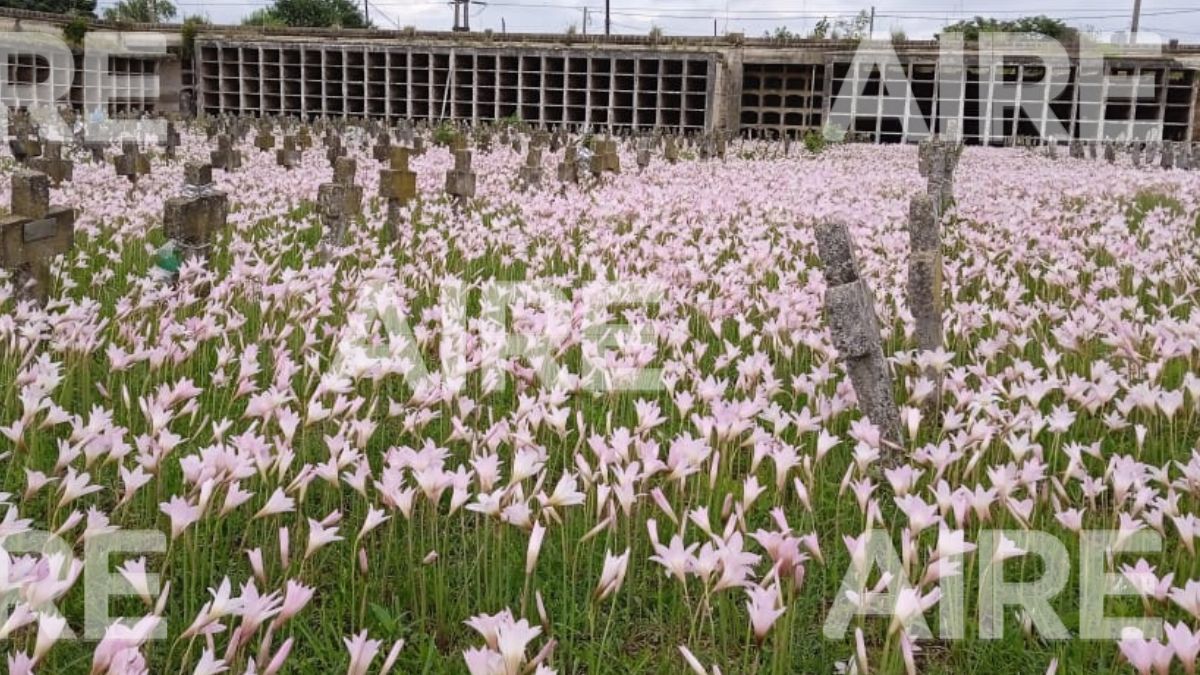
(1027, 25)
(821, 30)
(141, 11)
(78, 7)
(781, 33)
(853, 29)
(309, 13)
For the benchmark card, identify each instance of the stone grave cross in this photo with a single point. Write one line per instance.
(226, 157)
(339, 202)
(397, 185)
(131, 163)
(288, 156)
(52, 163)
(193, 218)
(33, 234)
(531, 171)
(265, 140)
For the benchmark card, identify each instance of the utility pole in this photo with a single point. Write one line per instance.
(607, 19)
(1137, 17)
(585, 17)
(456, 4)
(871, 30)
(366, 13)
(466, 15)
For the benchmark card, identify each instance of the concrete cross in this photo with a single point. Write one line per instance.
(33, 234)
(265, 140)
(194, 218)
(398, 186)
(854, 329)
(226, 157)
(338, 202)
(52, 164)
(382, 151)
(568, 168)
(288, 156)
(131, 163)
(671, 150)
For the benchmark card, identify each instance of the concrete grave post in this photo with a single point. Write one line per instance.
(855, 331)
(531, 171)
(460, 181)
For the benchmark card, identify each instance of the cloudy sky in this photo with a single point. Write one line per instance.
(1172, 19)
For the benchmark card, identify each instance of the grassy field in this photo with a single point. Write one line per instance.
(234, 401)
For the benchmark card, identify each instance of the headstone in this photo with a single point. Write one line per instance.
(52, 164)
(33, 234)
(225, 157)
(288, 156)
(460, 181)
(193, 219)
(854, 329)
(339, 202)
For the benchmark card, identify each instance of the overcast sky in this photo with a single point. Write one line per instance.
(1172, 19)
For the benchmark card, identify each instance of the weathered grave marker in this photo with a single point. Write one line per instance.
(225, 157)
(531, 171)
(288, 156)
(460, 181)
(131, 163)
(568, 168)
(265, 140)
(52, 164)
(397, 185)
(33, 234)
(925, 278)
(193, 219)
(339, 202)
(854, 328)
(671, 150)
